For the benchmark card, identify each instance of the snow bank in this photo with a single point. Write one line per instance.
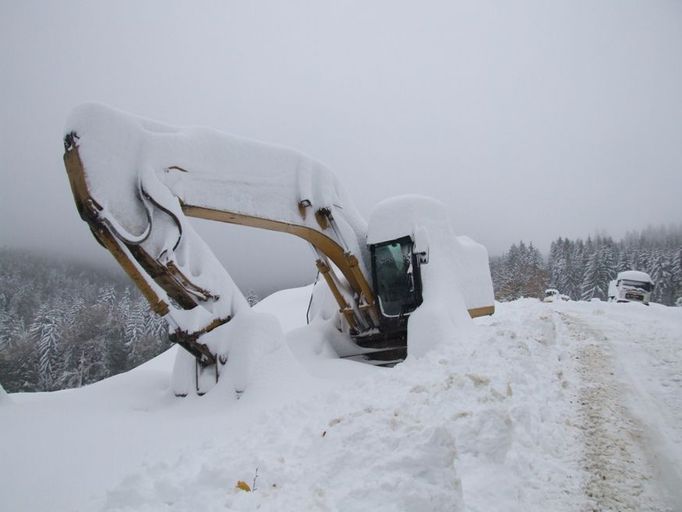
(493, 422)
(456, 277)
(289, 306)
(252, 336)
(481, 425)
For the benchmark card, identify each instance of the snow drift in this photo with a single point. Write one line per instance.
(494, 422)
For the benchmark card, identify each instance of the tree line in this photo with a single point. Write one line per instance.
(582, 269)
(64, 324)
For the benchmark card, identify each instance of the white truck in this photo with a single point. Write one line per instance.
(631, 286)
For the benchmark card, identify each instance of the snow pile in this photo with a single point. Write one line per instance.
(500, 420)
(456, 277)
(468, 427)
(238, 345)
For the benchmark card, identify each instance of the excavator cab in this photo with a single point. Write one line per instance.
(396, 277)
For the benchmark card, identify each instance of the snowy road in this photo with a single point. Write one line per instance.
(629, 403)
(563, 407)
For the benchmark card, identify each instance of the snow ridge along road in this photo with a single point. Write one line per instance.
(561, 407)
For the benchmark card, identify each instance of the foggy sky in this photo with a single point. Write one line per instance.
(530, 120)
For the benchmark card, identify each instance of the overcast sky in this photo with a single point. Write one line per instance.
(530, 120)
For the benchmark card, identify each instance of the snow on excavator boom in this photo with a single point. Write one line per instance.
(135, 181)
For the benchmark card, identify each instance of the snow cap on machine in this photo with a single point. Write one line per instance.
(456, 277)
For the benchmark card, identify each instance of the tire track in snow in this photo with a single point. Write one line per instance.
(620, 478)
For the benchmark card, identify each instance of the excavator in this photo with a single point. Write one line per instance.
(136, 182)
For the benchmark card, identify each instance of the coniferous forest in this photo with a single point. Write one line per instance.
(582, 269)
(64, 324)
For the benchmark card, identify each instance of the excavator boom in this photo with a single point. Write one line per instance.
(136, 181)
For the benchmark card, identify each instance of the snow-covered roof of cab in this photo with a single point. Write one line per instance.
(635, 275)
(457, 264)
(402, 215)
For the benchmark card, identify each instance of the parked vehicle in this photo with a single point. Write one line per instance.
(553, 295)
(631, 286)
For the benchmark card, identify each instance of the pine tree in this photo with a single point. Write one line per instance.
(575, 269)
(107, 297)
(46, 331)
(677, 274)
(590, 287)
(661, 272)
(19, 366)
(511, 284)
(536, 275)
(622, 263)
(135, 330)
(599, 271)
(556, 263)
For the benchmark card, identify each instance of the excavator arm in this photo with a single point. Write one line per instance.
(136, 182)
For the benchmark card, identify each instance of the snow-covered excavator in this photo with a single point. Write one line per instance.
(136, 181)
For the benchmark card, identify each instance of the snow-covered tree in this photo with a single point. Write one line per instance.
(598, 273)
(78, 319)
(519, 273)
(107, 296)
(46, 330)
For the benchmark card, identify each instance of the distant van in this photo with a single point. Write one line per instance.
(553, 295)
(631, 286)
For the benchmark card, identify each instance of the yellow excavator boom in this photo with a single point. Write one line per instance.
(136, 181)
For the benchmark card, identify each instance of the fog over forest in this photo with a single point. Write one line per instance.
(530, 120)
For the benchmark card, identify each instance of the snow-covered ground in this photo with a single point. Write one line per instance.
(561, 407)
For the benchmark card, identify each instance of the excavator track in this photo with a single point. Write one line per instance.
(387, 357)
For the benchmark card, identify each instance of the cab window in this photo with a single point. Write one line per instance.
(394, 279)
